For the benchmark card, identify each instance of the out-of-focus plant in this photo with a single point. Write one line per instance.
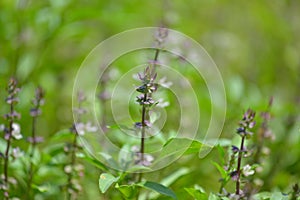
(12, 131)
(73, 168)
(295, 194)
(246, 124)
(234, 169)
(145, 100)
(260, 150)
(134, 158)
(34, 139)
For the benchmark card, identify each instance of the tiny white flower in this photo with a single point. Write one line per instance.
(80, 128)
(258, 182)
(147, 161)
(247, 171)
(148, 157)
(16, 152)
(2, 127)
(90, 128)
(162, 104)
(135, 148)
(16, 132)
(163, 82)
(68, 169)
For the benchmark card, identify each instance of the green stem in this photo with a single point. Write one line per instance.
(142, 148)
(144, 115)
(6, 159)
(73, 161)
(33, 136)
(73, 157)
(239, 166)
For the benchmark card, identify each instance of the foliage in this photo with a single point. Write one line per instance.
(255, 45)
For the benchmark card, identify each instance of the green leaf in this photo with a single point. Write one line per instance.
(110, 160)
(159, 188)
(215, 197)
(180, 146)
(221, 170)
(41, 188)
(278, 195)
(136, 168)
(221, 153)
(94, 162)
(36, 156)
(270, 196)
(125, 157)
(62, 135)
(26, 65)
(106, 180)
(176, 147)
(171, 179)
(196, 194)
(153, 117)
(174, 176)
(128, 191)
(224, 142)
(262, 196)
(54, 149)
(194, 147)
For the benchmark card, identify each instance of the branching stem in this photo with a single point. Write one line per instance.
(6, 159)
(33, 147)
(73, 161)
(239, 166)
(145, 115)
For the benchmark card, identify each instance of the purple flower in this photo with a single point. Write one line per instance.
(234, 149)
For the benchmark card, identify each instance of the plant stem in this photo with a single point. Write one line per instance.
(261, 134)
(33, 135)
(73, 155)
(143, 129)
(157, 51)
(221, 187)
(239, 166)
(6, 159)
(156, 55)
(73, 161)
(144, 115)
(103, 99)
(143, 134)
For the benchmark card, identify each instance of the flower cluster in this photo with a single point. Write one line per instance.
(147, 161)
(15, 132)
(246, 124)
(234, 169)
(35, 111)
(260, 149)
(81, 128)
(145, 100)
(160, 36)
(11, 132)
(37, 102)
(75, 187)
(73, 169)
(148, 78)
(12, 100)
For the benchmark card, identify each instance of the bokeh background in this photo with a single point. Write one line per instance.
(255, 45)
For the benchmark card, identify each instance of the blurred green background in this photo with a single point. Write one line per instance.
(255, 44)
